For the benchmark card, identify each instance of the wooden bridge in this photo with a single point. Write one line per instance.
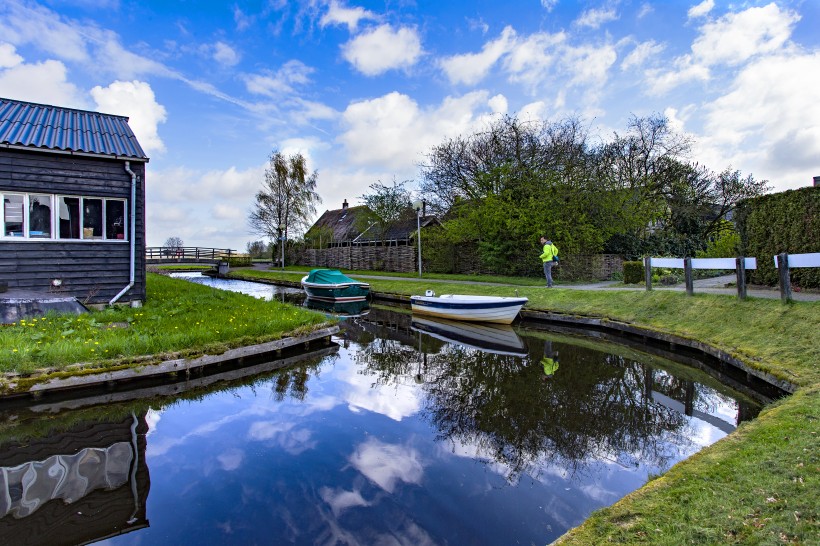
(190, 254)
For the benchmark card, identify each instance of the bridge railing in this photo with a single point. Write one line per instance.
(159, 254)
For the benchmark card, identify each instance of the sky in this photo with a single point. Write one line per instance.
(365, 89)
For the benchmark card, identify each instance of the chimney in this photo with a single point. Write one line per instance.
(817, 181)
(344, 205)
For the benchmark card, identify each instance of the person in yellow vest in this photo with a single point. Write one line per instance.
(549, 256)
(550, 360)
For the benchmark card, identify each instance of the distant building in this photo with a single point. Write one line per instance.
(72, 203)
(355, 226)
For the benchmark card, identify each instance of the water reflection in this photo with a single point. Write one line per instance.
(343, 309)
(413, 432)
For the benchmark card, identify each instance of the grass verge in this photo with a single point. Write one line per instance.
(178, 317)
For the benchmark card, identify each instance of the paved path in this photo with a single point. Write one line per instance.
(714, 285)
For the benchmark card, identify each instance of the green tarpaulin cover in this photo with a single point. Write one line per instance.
(329, 276)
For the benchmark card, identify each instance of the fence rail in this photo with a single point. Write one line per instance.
(159, 254)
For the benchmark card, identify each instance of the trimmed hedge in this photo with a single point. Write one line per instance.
(781, 222)
(633, 272)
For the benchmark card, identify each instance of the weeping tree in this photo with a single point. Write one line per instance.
(287, 200)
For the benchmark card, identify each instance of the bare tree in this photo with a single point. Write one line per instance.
(173, 246)
(387, 204)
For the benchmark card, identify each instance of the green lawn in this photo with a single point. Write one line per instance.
(178, 317)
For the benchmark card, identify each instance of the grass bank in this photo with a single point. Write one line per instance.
(760, 484)
(179, 317)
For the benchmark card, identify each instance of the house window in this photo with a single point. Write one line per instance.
(42, 216)
(13, 215)
(39, 216)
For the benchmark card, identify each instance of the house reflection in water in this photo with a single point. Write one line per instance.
(76, 486)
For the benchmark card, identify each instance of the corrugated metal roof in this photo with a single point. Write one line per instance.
(53, 128)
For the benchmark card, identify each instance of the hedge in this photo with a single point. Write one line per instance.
(781, 222)
(633, 272)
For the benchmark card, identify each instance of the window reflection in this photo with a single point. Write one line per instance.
(13, 215)
(39, 216)
(114, 219)
(69, 213)
(92, 218)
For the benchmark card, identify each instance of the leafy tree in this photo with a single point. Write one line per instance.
(256, 249)
(386, 204)
(287, 199)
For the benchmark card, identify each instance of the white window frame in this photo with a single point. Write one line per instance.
(55, 218)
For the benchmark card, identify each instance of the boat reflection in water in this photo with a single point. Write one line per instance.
(491, 338)
(339, 308)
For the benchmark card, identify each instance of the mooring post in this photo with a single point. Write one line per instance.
(647, 271)
(687, 274)
(740, 270)
(783, 273)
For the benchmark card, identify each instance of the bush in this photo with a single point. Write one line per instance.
(782, 222)
(633, 272)
(725, 245)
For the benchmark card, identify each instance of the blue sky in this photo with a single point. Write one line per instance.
(364, 89)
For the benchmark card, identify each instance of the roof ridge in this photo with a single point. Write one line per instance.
(66, 108)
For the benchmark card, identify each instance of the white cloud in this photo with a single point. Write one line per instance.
(769, 121)
(470, 68)
(281, 82)
(382, 48)
(531, 59)
(642, 52)
(39, 26)
(225, 54)
(737, 37)
(8, 56)
(339, 15)
(549, 4)
(231, 459)
(392, 131)
(136, 100)
(498, 104)
(387, 464)
(732, 40)
(594, 18)
(45, 82)
(701, 9)
(185, 203)
(340, 500)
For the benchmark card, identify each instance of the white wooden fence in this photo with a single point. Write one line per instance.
(783, 262)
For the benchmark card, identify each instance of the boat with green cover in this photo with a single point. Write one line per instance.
(333, 285)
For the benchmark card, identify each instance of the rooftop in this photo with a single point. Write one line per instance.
(52, 128)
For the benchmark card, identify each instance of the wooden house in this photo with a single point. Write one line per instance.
(355, 226)
(72, 204)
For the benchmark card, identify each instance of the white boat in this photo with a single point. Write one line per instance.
(500, 339)
(498, 309)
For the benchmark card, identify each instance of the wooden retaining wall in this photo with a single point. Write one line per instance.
(377, 258)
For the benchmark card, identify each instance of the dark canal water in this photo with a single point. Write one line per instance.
(395, 436)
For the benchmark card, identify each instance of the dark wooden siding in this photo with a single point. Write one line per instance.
(91, 271)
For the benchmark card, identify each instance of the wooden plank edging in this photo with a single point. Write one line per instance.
(175, 366)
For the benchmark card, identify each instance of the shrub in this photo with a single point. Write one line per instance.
(782, 222)
(633, 272)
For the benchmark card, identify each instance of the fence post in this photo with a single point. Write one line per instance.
(647, 271)
(740, 271)
(687, 274)
(783, 273)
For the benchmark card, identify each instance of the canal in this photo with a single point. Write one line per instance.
(406, 431)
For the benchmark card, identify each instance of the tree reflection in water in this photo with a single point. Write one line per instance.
(596, 407)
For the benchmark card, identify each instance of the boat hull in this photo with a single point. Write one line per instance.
(470, 308)
(336, 292)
